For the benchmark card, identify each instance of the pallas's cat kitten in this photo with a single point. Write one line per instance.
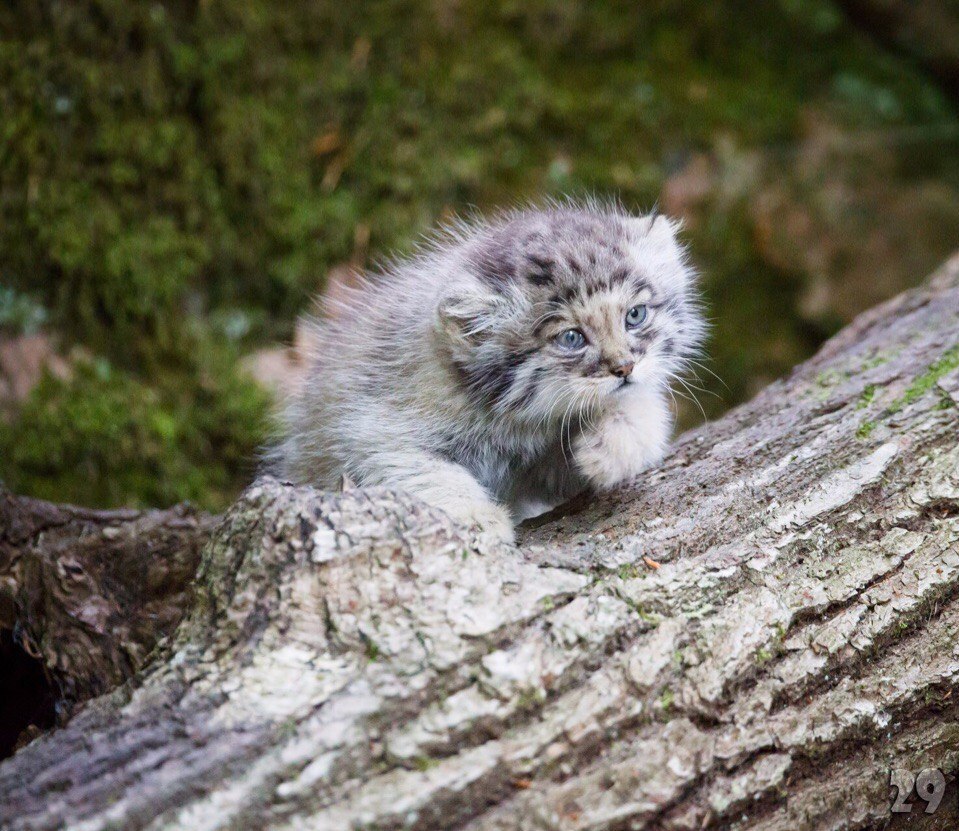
(511, 364)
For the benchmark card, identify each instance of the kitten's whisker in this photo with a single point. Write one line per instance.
(594, 396)
(561, 389)
(555, 391)
(699, 388)
(705, 368)
(683, 395)
(672, 396)
(543, 317)
(691, 396)
(475, 330)
(687, 372)
(585, 413)
(562, 430)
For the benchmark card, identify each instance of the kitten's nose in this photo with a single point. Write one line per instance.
(622, 369)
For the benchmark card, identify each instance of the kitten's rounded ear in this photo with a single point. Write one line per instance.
(462, 317)
(657, 226)
(656, 246)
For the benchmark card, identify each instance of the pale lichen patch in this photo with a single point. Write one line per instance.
(837, 489)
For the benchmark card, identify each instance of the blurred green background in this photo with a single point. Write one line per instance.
(178, 178)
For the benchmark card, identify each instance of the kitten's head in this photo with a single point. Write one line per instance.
(556, 310)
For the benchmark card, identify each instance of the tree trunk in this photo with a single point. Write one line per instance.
(752, 637)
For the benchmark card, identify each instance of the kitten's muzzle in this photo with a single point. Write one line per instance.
(622, 369)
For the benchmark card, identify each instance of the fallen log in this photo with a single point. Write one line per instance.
(753, 636)
(87, 594)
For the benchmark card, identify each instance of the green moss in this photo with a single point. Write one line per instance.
(643, 614)
(925, 382)
(666, 700)
(425, 763)
(878, 359)
(825, 381)
(830, 378)
(530, 698)
(105, 438)
(917, 388)
(867, 397)
(372, 649)
(775, 647)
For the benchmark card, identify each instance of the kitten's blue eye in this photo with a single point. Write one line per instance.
(571, 339)
(636, 316)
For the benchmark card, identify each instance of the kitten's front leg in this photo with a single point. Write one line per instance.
(631, 436)
(442, 484)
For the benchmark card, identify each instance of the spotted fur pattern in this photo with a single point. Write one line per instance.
(444, 375)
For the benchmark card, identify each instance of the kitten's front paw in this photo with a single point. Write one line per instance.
(595, 462)
(492, 519)
(621, 448)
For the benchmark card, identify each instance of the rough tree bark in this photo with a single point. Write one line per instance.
(750, 638)
(88, 592)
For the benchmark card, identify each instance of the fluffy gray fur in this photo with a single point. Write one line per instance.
(451, 375)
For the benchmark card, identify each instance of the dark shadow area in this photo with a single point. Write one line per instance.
(27, 697)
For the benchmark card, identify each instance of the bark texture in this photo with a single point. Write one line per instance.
(749, 638)
(90, 592)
